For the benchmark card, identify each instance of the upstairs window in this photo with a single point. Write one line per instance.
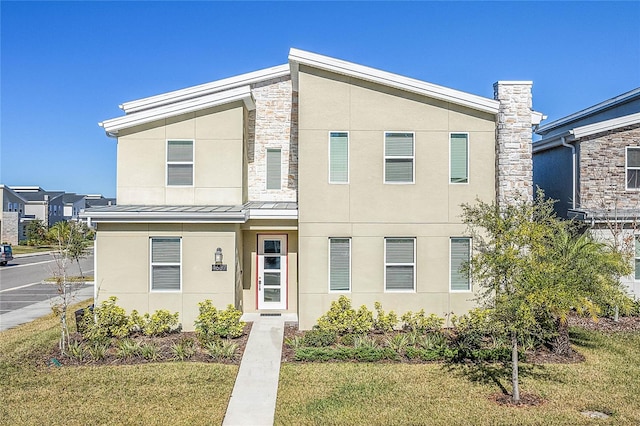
(400, 264)
(398, 157)
(460, 255)
(274, 168)
(165, 264)
(339, 264)
(459, 158)
(338, 157)
(633, 167)
(179, 163)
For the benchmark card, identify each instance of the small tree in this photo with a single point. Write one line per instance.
(36, 233)
(533, 268)
(77, 237)
(68, 239)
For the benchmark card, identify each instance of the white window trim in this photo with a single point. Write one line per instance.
(151, 265)
(348, 158)
(329, 265)
(384, 161)
(192, 162)
(470, 290)
(627, 168)
(468, 159)
(415, 271)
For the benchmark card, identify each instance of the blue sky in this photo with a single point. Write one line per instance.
(65, 66)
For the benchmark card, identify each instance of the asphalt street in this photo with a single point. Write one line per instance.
(21, 281)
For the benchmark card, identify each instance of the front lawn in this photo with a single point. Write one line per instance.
(435, 394)
(171, 393)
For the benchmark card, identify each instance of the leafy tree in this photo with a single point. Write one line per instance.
(36, 233)
(70, 245)
(533, 268)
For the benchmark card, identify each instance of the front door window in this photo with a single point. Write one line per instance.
(272, 272)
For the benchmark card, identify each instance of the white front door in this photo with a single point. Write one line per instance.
(272, 271)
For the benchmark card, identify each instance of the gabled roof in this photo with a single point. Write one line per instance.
(297, 57)
(205, 89)
(592, 110)
(14, 193)
(182, 107)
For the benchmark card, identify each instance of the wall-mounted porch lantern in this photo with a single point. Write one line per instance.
(218, 266)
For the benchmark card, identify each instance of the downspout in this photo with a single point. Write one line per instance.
(573, 170)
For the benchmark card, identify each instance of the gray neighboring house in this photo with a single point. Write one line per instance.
(47, 206)
(73, 205)
(11, 223)
(590, 162)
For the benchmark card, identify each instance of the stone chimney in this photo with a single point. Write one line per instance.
(514, 164)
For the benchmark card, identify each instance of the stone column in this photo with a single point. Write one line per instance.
(514, 164)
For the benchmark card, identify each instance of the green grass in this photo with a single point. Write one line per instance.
(172, 393)
(30, 249)
(437, 394)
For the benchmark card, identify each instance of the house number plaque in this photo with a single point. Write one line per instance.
(219, 267)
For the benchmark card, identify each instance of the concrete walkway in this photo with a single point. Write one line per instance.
(40, 309)
(253, 400)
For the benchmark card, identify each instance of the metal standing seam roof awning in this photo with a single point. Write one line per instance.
(192, 214)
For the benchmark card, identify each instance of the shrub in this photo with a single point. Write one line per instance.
(423, 354)
(343, 319)
(294, 342)
(398, 343)
(149, 351)
(98, 350)
(127, 348)
(319, 338)
(212, 323)
(476, 330)
(363, 354)
(222, 349)
(76, 351)
(431, 341)
(183, 349)
(110, 321)
(161, 322)
(365, 342)
(384, 322)
(421, 323)
(348, 339)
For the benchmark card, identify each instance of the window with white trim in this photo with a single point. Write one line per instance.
(399, 264)
(274, 168)
(460, 254)
(459, 158)
(180, 163)
(166, 264)
(398, 157)
(637, 258)
(633, 167)
(339, 264)
(338, 157)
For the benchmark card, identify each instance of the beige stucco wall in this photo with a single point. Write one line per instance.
(123, 267)
(250, 243)
(366, 209)
(218, 159)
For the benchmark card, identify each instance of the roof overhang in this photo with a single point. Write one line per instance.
(191, 214)
(243, 94)
(299, 57)
(608, 104)
(205, 89)
(588, 130)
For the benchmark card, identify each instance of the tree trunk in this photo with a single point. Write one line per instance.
(515, 394)
(80, 268)
(561, 344)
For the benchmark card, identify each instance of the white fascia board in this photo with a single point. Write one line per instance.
(205, 89)
(163, 217)
(273, 214)
(420, 87)
(241, 93)
(609, 103)
(603, 126)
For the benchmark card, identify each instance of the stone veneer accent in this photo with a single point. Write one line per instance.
(603, 170)
(10, 228)
(273, 124)
(514, 164)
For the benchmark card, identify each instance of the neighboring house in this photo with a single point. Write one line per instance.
(97, 200)
(11, 222)
(73, 204)
(47, 206)
(590, 162)
(311, 180)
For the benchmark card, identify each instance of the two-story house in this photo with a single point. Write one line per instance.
(590, 162)
(279, 190)
(11, 223)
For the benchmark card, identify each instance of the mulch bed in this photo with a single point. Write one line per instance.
(606, 325)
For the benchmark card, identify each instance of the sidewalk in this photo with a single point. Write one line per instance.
(253, 400)
(40, 309)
